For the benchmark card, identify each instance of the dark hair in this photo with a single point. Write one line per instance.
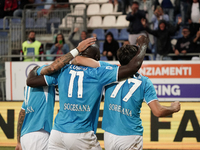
(109, 33)
(31, 31)
(135, 3)
(92, 52)
(85, 32)
(63, 39)
(186, 27)
(126, 53)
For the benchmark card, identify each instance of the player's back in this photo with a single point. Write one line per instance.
(80, 91)
(39, 107)
(122, 105)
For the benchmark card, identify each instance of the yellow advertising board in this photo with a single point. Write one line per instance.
(178, 131)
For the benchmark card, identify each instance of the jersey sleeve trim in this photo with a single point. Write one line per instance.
(151, 101)
(46, 80)
(117, 73)
(22, 108)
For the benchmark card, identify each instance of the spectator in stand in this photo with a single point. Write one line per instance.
(75, 42)
(135, 27)
(193, 27)
(184, 9)
(18, 12)
(116, 5)
(157, 16)
(126, 43)
(168, 8)
(31, 47)
(60, 47)
(194, 11)
(196, 43)
(184, 45)
(147, 7)
(56, 6)
(163, 34)
(125, 6)
(193, 16)
(110, 47)
(9, 7)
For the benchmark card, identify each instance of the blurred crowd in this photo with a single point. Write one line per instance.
(172, 25)
(15, 7)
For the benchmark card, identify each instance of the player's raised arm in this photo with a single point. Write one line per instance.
(62, 61)
(134, 65)
(33, 80)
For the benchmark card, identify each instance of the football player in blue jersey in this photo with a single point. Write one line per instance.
(36, 115)
(80, 91)
(123, 102)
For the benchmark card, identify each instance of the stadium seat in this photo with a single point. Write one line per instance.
(3, 34)
(41, 23)
(78, 9)
(114, 31)
(121, 21)
(95, 21)
(4, 46)
(106, 8)
(30, 22)
(76, 1)
(91, 1)
(123, 34)
(109, 21)
(16, 20)
(93, 9)
(101, 47)
(100, 34)
(1, 24)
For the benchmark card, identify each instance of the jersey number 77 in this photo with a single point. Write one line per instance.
(136, 84)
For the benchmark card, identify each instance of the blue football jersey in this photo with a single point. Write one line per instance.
(39, 108)
(123, 102)
(80, 91)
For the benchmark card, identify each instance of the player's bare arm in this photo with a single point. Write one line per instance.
(162, 111)
(19, 127)
(33, 79)
(84, 61)
(134, 65)
(62, 61)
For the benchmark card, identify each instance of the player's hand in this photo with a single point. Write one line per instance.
(85, 43)
(18, 147)
(176, 106)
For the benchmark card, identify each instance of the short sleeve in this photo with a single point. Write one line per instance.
(103, 63)
(50, 79)
(39, 70)
(150, 92)
(108, 74)
(23, 106)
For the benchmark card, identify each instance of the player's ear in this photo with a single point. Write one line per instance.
(97, 57)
